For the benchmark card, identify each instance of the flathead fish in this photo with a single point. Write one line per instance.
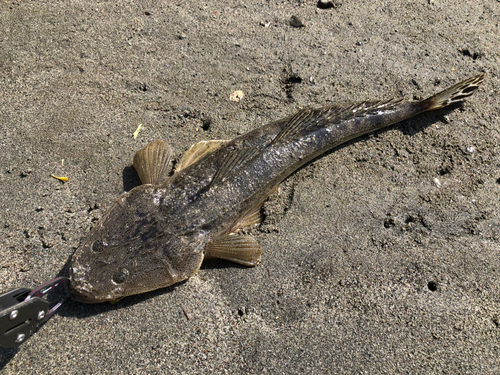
(159, 233)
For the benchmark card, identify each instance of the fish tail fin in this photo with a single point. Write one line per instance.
(454, 94)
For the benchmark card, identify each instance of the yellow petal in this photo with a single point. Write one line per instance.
(63, 179)
(136, 133)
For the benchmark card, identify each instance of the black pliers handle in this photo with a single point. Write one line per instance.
(23, 310)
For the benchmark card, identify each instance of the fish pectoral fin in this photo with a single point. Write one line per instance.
(241, 249)
(152, 161)
(197, 152)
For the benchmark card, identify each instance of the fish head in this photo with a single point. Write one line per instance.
(129, 252)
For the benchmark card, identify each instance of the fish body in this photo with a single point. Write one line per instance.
(158, 233)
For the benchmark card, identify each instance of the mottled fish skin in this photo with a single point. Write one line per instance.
(158, 233)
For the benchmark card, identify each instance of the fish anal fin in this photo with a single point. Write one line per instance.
(197, 152)
(152, 162)
(254, 215)
(241, 249)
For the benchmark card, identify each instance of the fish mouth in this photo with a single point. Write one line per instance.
(81, 290)
(77, 296)
(81, 293)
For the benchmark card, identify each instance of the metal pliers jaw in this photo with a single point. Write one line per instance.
(23, 310)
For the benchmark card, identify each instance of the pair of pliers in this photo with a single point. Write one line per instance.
(23, 310)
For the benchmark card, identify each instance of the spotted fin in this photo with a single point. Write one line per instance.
(197, 152)
(310, 119)
(236, 248)
(152, 162)
(455, 93)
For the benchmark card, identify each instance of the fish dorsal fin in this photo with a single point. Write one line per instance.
(241, 249)
(197, 152)
(152, 161)
(368, 108)
(295, 125)
(309, 119)
(232, 163)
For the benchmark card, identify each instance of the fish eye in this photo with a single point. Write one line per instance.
(120, 276)
(99, 246)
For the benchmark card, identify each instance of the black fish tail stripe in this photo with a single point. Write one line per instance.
(455, 93)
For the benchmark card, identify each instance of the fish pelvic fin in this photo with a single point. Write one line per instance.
(454, 94)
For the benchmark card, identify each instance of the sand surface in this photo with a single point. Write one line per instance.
(380, 257)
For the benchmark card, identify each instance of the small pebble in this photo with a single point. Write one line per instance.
(296, 22)
(26, 172)
(236, 96)
(325, 4)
